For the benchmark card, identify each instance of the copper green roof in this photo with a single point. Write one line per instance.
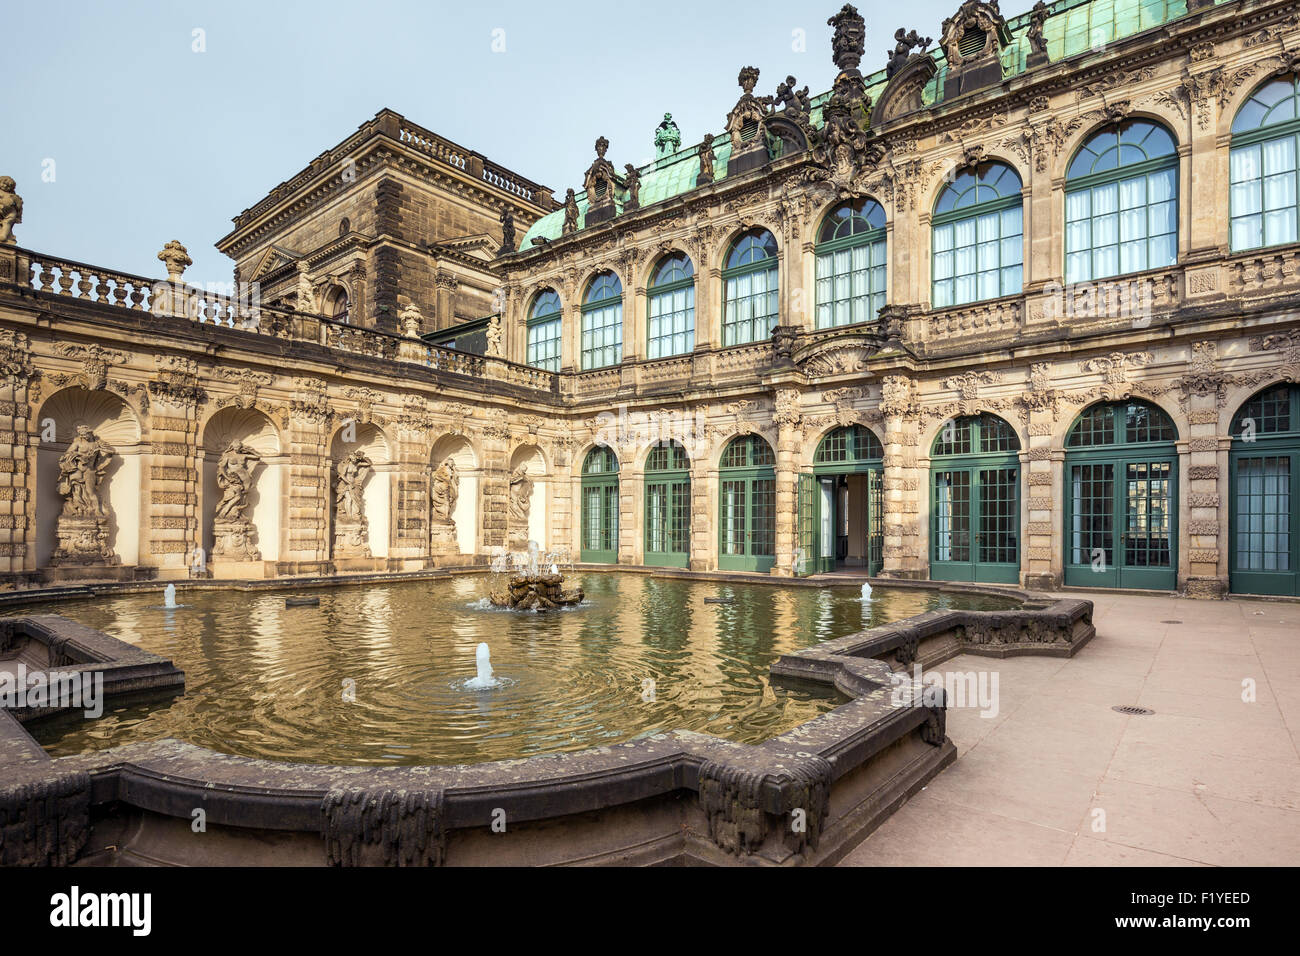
(1073, 27)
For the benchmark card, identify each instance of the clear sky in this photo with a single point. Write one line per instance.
(147, 138)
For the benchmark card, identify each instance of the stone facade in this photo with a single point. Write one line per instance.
(167, 374)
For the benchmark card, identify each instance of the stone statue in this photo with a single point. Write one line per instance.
(176, 258)
(632, 180)
(444, 492)
(507, 229)
(1038, 18)
(706, 161)
(306, 298)
(11, 210)
(83, 525)
(81, 468)
(412, 321)
(748, 109)
(494, 337)
(235, 479)
(668, 138)
(352, 473)
(904, 43)
(521, 498)
(570, 213)
(797, 103)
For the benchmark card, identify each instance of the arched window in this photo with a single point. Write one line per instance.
(851, 264)
(1121, 202)
(671, 326)
(602, 322)
(1265, 174)
(600, 506)
(1264, 470)
(747, 505)
(544, 328)
(841, 504)
(1121, 504)
(751, 286)
(336, 305)
(978, 236)
(668, 506)
(975, 501)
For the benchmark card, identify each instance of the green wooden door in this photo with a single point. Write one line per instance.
(975, 502)
(668, 507)
(1264, 486)
(747, 506)
(1121, 501)
(599, 529)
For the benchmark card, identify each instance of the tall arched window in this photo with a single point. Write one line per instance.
(1121, 202)
(851, 264)
(544, 327)
(1264, 483)
(668, 506)
(975, 501)
(671, 325)
(600, 506)
(747, 505)
(840, 516)
(336, 305)
(752, 289)
(1121, 503)
(978, 236)
(602, 322)
(1265, 174)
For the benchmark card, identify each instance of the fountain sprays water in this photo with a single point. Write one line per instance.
(169, 597)
(866, 592)
(531, 589)
(484, 680)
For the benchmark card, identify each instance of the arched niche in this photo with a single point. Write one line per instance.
(458, 449)
(120, 489)
(530, 459)
(270, 478)
(376, 494)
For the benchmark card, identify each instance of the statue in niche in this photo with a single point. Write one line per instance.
(81, 468)
(521, 498)
(706, 161)
(570, 213)
(668, 138)
(507, 229)
(235, 479)
(11, 209)
(904, 43)
(352, 473)
(444, 492)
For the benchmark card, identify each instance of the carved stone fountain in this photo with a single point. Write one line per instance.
(529, 587)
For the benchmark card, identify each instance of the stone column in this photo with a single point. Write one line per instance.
(1203, 538)
(789, 438)
(1041, 531)
(631, 488)
(560, 508)
(903, 482)
(494, 484)
(17, 524)
(174, 473)
(307, 548)
(704, 528)
(410, 549)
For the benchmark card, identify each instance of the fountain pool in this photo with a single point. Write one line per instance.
(377, 673)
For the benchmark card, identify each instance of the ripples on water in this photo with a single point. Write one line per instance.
(263, 680)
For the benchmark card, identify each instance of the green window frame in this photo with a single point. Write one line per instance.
(975, 501)
(668, 506)
(844, 451)
(978, 233)
(1264, 491)
(1121, 498)
(602, 322)
(747, 505)
(751, 289)
(1265, 167)
(544, 331)
(851, 264)
(1121, 202)
(670, 308)
(600, 504)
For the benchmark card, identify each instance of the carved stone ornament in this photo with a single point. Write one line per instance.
(83, 524)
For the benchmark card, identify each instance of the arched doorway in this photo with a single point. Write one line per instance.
(1264, 470)
(841, 504)
(668, 506)
(599, 543)
(975, 501)
(747, 505)
(1121, 502)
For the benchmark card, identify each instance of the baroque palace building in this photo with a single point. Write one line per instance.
(1019, 308)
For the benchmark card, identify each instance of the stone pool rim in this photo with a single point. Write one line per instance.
(871, 753)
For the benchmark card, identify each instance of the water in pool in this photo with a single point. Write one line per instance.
(378, 673)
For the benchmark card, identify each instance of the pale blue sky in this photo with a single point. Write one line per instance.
(152, 141)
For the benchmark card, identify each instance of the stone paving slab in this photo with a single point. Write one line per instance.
(1056, 777)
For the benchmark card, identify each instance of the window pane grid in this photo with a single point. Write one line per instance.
(672, 322)
(850, 284)
(1263, 490)
(752, 307)
(544, 344)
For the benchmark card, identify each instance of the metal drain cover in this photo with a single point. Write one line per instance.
(1132, 711)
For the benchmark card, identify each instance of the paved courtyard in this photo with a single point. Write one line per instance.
(1058, 777)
